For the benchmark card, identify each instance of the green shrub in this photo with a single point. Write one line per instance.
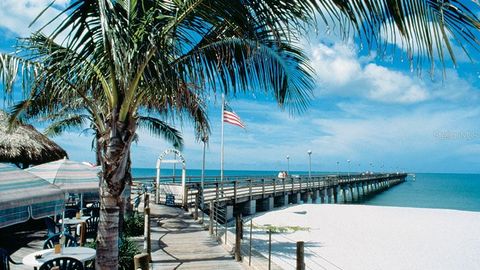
(133, 225)
(127, 249)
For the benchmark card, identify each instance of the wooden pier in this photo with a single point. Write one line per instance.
(251, 194)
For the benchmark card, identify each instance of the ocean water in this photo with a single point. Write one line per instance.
(433, 190)
(428, 190)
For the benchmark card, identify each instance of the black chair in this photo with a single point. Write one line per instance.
(64, 263)
(91, 227)
(52, 227)
(95, 204)
(5, 260)
(71, 213)
(92, 210)
(96, 212)
(70, 241)
(95, 209)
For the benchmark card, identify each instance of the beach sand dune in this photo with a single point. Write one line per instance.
(373, 237)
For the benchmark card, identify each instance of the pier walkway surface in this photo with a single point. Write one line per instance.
(179, 242)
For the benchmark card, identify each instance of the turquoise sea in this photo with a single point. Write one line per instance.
(427, 190)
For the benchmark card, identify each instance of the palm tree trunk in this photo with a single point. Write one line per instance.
(128, 187)
(115, 174)
(98, 148)
(107, 237)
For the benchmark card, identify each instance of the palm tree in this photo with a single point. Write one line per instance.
(141, 54)
(76, 114)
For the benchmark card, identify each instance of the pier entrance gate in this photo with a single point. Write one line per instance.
(167, 190)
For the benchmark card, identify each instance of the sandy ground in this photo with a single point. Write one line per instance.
(371, 237)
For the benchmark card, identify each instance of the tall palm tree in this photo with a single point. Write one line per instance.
(140, 54)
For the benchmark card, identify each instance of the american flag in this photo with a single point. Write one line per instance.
(231, 117)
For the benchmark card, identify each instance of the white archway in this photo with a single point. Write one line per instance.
(161, 159)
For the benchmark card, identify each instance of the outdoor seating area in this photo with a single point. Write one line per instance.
(44, 218)
(62, 243)
(46, 249)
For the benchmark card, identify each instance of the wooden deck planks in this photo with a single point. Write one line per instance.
(182, 243)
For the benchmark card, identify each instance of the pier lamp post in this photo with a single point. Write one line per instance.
(309, 152)
(338, 168)
(288, 165)
(348, 161)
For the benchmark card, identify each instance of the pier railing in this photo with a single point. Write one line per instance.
(235, 189)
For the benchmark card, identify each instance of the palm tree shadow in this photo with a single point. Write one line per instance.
(285, 249)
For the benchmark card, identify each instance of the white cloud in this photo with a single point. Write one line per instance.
(409, 138)
(392, 86)
(18, 14)
(335, 65)
(342, 72)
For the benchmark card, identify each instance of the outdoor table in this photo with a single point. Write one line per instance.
(82, 254)
(74, 221)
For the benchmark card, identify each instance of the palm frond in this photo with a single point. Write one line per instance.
(161, 129)
(68, 122)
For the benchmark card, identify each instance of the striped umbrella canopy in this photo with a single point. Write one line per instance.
(24, 196)
(68, 175)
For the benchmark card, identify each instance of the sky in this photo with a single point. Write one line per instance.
(369, 109)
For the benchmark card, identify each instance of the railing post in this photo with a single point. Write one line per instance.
(210, 227)
(274, 186)
(195, 213)
(226, 225)
(202, 202)
(185, 198)
(269, 249)
(235, 184)
(147, 245)
(300, 256)
(141, 261)
(250, 188)
(216, 192)
(238, 237)
(263, 187)
(250, 244)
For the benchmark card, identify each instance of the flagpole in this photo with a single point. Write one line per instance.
(204, 140)
(221, 145)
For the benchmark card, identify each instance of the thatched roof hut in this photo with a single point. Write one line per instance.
(23, 145)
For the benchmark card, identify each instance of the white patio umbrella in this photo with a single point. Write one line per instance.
(24, 196)
(70, 176)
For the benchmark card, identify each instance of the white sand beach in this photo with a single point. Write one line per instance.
(370, 237)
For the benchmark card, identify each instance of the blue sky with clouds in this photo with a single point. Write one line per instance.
(367, 108)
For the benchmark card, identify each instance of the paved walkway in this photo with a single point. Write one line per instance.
(179, 242)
